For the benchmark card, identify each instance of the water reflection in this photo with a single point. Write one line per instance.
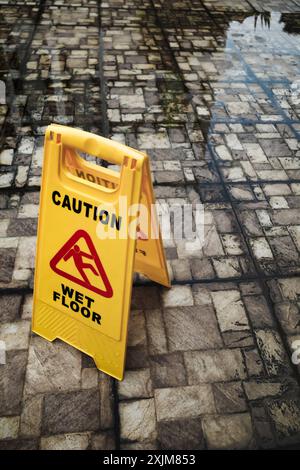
(265, 19)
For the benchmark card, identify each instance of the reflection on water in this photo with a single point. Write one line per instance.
(262, 41)
(260, 71)
(270, 27)
(264, 19)
(290, 22)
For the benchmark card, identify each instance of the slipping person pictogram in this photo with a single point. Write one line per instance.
(78, 256)
(71, 249)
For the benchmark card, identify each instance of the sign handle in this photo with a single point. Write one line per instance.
(92, 144)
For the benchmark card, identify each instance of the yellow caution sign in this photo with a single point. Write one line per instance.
(96, 227)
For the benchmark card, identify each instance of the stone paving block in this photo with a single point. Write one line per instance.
(253, 363)
(168, 370)
(183, 434)
(233, 339)
(230, 311)
(137, 329)
(46, 362)
(7, 264)
(191, 328)
(87, 362)
(273, 354)
(31, 417)
(143, 445)
(259, 311)
(12, 375)
(250, 288)
(137, 420)
(157, 340)
(9, 427)
(201, 268)
(229, 431)
(137, 357)
(106, 401)
(75, 441)
(19, 444)
(229, 397)
(10, 308)
(285, 417)
(89, 378)
(201, 294)
(227, 268)
(15, 335)
(146, 297)
(103, 441)
(178, 296)
(136, 384)
(262, 426)
(257, 389)
(71, 412)
(183, 402)
(214, 366)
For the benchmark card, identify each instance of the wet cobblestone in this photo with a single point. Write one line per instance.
(210, 90)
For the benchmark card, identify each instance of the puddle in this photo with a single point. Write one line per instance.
(267, 32)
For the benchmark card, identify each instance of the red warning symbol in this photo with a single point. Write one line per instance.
(87, 264)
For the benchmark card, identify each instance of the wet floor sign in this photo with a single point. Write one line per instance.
(96, 227)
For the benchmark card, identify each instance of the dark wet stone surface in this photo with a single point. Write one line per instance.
(71, 412)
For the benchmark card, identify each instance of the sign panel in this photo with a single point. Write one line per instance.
(88, 244)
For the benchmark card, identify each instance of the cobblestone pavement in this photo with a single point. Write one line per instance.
(211, 91)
